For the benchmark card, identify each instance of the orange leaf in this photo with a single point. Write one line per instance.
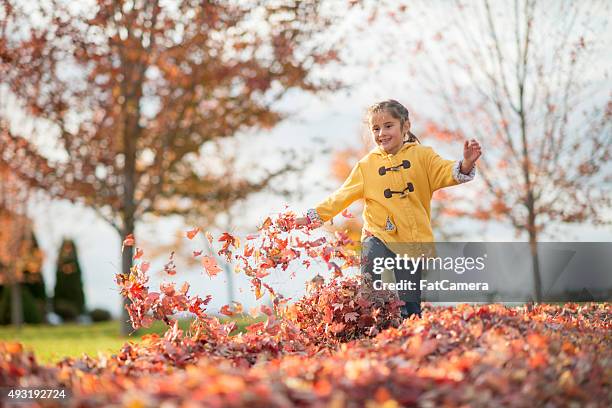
(193, 233)
(238, 308)
(209, 237)
(139, 253)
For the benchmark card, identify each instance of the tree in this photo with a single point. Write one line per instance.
(23, 296)
(68, 298)
(16, 252)
(525, 79)
(134, 90)
(23, 171)
(30, 286)
(30, 310)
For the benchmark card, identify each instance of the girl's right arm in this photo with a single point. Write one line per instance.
(351, 190)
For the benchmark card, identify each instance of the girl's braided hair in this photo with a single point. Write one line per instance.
(398, 111)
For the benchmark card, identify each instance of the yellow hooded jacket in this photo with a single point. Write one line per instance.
(410, 177)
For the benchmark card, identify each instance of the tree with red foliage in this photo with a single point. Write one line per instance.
(134, 89)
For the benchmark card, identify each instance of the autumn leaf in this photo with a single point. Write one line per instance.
(228, 239)
(347, 214)
(192, 233)
(167, 288)
(257, 286)
(266, 224)
(254, 312)
(210, 266)
(170, 267)
(337, 327)
(225, 309)
(351, 317)
(128, 241)
(138, 253)
(209, 237)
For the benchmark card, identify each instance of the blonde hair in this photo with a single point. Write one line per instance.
(398, 111)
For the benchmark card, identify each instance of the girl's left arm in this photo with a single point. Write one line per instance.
(445, 173)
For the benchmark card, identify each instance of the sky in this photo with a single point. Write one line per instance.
(330, 122)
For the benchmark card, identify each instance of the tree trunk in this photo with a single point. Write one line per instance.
(16, 305)
(126, 262)
(533, 245)
(230, 282)
(128, 215)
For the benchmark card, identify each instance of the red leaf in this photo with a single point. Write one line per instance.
(128, 241)
(347, 214)
(225, 309)
(167, 288)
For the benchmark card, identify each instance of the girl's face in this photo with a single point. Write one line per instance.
(387, 131)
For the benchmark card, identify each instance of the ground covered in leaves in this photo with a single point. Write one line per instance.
(341, 345)
(469, 355)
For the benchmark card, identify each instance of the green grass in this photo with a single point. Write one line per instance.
(51, 343)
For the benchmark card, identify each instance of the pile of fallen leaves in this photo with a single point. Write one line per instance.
(487, 355)
(344, 310)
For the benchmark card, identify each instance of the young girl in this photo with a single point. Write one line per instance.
(396, 180)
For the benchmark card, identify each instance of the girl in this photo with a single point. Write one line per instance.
(396, 179)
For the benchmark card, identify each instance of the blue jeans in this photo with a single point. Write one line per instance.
(371, 248)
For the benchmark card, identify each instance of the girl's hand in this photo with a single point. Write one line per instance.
(471, 153)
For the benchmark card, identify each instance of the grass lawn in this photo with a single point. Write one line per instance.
(51, 343)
